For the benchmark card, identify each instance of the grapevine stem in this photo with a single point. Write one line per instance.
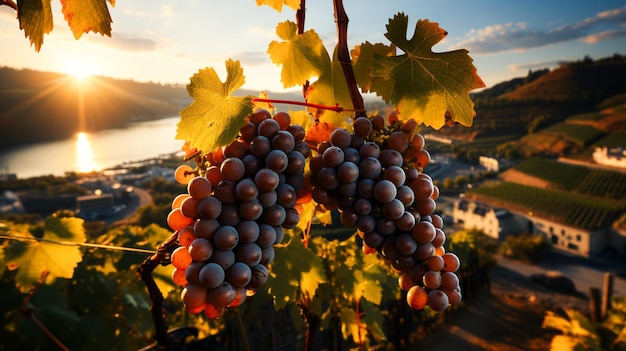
(300, 16)
(145, 271)
(343, 54)
(29, 313)
(9, 3)
(335, 108)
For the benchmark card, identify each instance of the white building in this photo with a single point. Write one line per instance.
(498, 223)
(614, 157)
(495, 222)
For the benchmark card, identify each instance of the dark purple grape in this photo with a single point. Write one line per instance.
(283, 141)
(276, 160)
(249, 253)
(333, 156)
(226, 237)
(246, 190)
(239, 274)
(369, 168)
(340, 138)
(369, 149)
(248, 231)
(210, 207)
(250, 210)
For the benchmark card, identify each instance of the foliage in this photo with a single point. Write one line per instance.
(461, 242)
(526, 247)
(426, 85)
(578, 333)
(90, 298)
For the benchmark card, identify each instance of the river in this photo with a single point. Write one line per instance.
(93, 151)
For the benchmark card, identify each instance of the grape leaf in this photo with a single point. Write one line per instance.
(84, 16)
(278, 4)
(302, 56)
(35, 17)
(426, 84)
(331, 89)
(214, 117)
(363, 56)
(295, 266)
(36, 258)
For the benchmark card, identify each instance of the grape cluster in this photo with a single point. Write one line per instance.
(374, 177)
(234, 212)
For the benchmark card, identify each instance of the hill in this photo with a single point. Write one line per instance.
(563, 111)
(37, 106)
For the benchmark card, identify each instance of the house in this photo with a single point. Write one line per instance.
(498, 223)
(614, 157)
(495, 222)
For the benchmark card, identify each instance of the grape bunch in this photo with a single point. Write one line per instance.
(234, 212)
(374, 177)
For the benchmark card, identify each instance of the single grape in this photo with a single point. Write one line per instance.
(260, 146)
(200, 249)
(398, 141)
(435, 263)
(246, 190)
(194, 295)
(449, 280)
(259, 116)
(385, 191)
(248, 231)
(268, 128)
(205, 228)
(186, 236)
(232, 169)
(340, 138)
(395, 174)
(283, 141)
(226, 237)
(451, 262)
(283, 119)
(432, 280)
(260, 274)
(369, 168)
(405, 244)
(438, 300)
(176, 220)
(362, 126)
(236, 149)
(189, 207)
(211, 275)
(221, 296)
(266, 180)
(369, 149)
(417, 297)
(391, 157)
(424, 232)
(184, 174)
(239, 274)
(180, 258)
(225, 258)
(178, 277)
(249, 253)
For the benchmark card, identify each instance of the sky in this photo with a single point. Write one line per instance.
(168, 41)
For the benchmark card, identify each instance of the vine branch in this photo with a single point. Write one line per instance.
(343, 54)
(156, 309)
(26, 311)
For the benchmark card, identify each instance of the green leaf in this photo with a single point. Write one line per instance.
(302, 56)
(278, 4)
(84, 16)
(426, 84)
(331, 89)
(36, 258)
(363, 57)
(214, 117)
(35, 17)
(295, 268)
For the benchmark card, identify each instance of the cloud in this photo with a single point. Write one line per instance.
(125, 42)
(535, 65)
(518, 37)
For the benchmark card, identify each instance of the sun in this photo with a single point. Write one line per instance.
(80, 70)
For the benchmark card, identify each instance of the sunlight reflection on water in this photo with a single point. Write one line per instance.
(93, 151)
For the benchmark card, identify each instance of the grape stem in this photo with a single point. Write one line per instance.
(9, 3)
(335, 108)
